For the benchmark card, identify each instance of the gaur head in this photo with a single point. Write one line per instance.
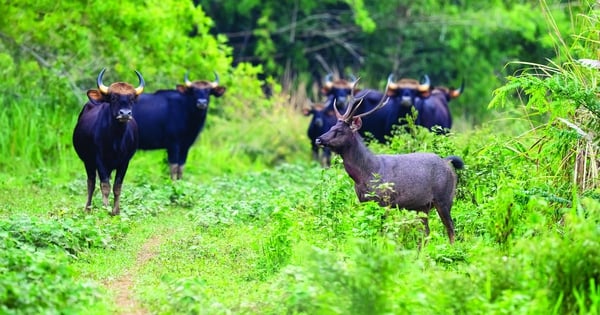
(338, 90)
(319, 113)
(408, 90)
(201, 90)
(119, 95)
(449, 93)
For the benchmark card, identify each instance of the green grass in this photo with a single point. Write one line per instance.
(292, 238)
(256, 228)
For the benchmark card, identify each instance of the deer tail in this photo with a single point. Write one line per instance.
(456, 161)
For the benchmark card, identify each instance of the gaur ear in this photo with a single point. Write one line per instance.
(181, 88)
(356, 123)
(454, 93)
(218, 91)
(95, 96)
(425, 94)
(325, 90)
(306, 111)
(390, 92)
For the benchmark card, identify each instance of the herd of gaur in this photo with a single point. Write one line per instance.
(119, 119)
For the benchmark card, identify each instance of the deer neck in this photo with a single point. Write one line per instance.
(360, 163)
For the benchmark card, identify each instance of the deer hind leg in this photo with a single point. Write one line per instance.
(424, 216)
(443, 210)
(382, 219)
(425, 220)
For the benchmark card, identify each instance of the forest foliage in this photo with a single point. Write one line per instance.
(249, 232)
(51, 52)
(301, 41)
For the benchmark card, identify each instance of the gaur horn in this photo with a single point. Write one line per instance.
(103, 88)
(140, 88)
(456, 93)
(423, 87)
(187, 81)
(216, 82)
(390, 82)
(462, 86)
(328, 82)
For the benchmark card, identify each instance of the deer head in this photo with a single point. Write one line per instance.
(340, 135)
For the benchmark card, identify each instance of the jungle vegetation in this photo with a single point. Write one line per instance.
(255, 226)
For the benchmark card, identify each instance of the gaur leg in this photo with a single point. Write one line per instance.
(117, 195)
(105, 188)
(315, 151)
(173, 157)
(443, 210)
(180, 171)
(326, 159)
(119, 177)
(173, 169)
(182, 158)
(104, 175)
(91, 184)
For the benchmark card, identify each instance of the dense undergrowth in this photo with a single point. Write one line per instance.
(256, 228)
(294, 239)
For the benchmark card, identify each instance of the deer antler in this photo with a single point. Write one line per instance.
(355, 103)
(381, 103)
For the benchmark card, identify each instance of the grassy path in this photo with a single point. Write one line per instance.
(123, 285)
(121, 270)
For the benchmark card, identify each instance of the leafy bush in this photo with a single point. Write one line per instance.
(71, 235)
(38, 281)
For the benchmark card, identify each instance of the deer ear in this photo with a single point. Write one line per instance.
(356, 123)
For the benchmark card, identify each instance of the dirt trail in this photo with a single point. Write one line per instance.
(123, 285)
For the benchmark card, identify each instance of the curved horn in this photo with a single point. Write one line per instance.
(140, 88)
(390, 83)
(216, 82)
(103, 88)
(187, 81)
(425, 85)
(328, 83)
(454, 93)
